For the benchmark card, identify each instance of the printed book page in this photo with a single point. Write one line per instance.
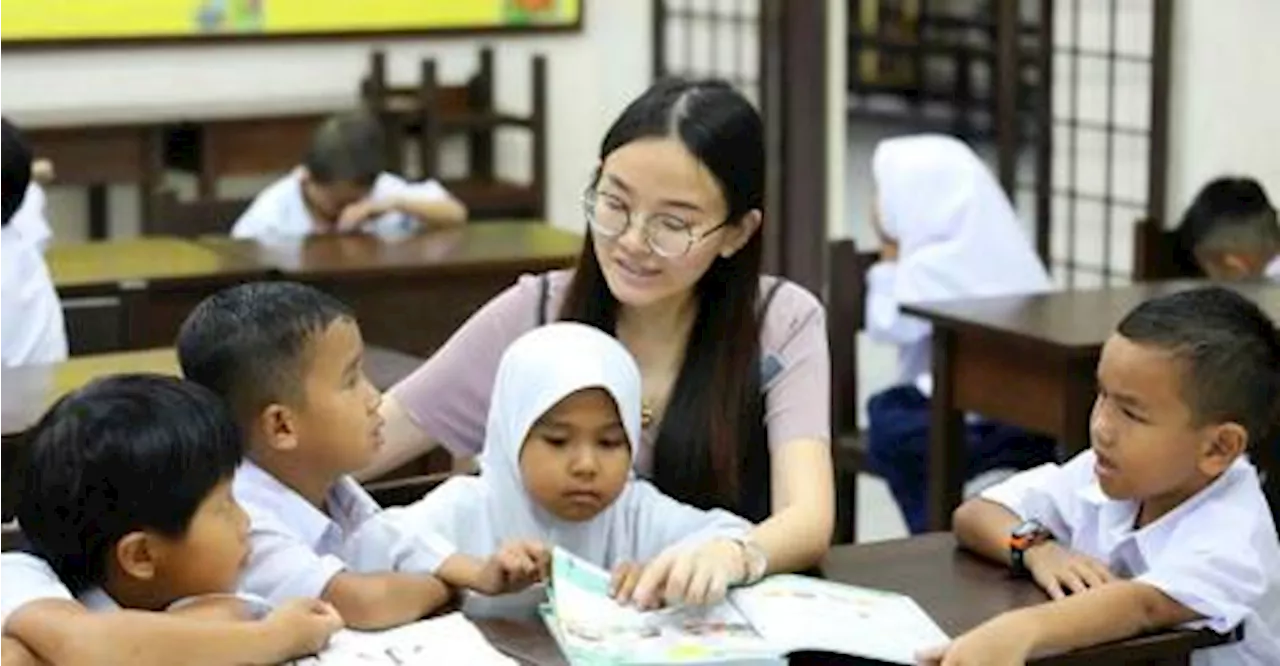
(801, 613)
(446, 640)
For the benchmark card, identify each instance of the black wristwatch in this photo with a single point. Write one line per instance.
(1028, 534)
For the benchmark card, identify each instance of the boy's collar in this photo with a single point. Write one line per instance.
(344, 507)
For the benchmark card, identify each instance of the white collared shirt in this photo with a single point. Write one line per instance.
(25, 578)
(1217, 553)
(1272, 271)
(31, 219)
(30, 312)
(295, 549)
(281, 211)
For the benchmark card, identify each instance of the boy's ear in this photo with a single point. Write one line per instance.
(1226, 442)
(278, 427)
(136, 555)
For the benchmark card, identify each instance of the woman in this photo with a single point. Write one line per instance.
(734, 365)
(947, 231)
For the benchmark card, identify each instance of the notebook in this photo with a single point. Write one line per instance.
(449, 640)
(757, 625)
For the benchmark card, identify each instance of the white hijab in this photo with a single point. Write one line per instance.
(957, 234)
(478, 514)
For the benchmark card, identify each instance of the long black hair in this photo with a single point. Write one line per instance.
(710, 449)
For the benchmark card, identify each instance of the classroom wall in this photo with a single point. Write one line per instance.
(593, 74)
(1225, 102)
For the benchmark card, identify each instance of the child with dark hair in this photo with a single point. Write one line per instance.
(342, 186)
(33, 330)
(1165, 521)
(1230, 231)
(127, 504)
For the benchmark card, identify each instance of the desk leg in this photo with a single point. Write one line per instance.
(98, 223)
(947, 452)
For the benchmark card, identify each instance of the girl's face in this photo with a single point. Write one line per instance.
(659, 182)
(576, 458)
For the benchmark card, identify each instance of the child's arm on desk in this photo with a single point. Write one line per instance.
(383, 600)
(1095, 616)
(64, 632)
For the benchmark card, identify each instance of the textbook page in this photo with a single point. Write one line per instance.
(800, 613)
(450, 640)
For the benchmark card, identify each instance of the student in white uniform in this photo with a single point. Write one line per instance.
(289, 360)
(1231, 232)
(30, 313)
(31, 218)
(342, 187)
(127, 502)
(947, 231)
(563, 425)
(1164, 522)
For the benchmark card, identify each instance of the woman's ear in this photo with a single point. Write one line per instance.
(741, 233)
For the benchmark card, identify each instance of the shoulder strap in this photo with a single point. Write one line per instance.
(544, 288)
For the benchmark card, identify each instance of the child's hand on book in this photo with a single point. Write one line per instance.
(1061, 571)
(698, 576)
(623, 584)
(1002, 641)
(303, 626)
(516, 566)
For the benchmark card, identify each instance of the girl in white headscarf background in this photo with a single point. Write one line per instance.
(947, 231)
(556, 471)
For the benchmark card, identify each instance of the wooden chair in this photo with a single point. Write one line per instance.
(172, 217)
(406, 490)
(846, 299)
(430, 112)
(1157, 254)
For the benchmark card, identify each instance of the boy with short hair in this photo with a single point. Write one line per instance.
(342, 187)
(1164, 522)
(288, 359)
(1231, 231)
(33, 328)
(127, 505)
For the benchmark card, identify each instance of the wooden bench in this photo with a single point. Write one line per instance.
(429, 112)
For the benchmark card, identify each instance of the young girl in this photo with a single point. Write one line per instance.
(556, 471)
(947, 232)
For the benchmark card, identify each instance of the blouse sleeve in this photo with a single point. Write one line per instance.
(796, 368)
(448, 396)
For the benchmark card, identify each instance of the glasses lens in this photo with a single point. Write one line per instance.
(606, 217)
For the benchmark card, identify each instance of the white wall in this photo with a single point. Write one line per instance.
(592, 75)
(1225, 101)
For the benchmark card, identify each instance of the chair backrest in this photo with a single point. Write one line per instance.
(1157, 254)
(171, 217)
(430, 112)
(846, 303)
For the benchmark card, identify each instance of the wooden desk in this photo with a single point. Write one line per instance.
(412, 293)
(957, 589)
(134, 294)
(1028, 361)
(126, 143)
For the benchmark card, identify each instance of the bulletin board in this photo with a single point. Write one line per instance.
(33, 22)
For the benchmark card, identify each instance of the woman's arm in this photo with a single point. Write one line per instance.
(402, 440)
(798, 534)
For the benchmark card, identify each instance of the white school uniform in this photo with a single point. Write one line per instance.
(478, 514)
(295, 549)
(1272, 271)
(31, 326)
(1217, 553)
(31, 218)
(957, 236)
(281, 211)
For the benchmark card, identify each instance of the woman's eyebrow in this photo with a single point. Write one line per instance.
(668, 203)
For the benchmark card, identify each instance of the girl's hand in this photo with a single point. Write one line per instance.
(696, 576)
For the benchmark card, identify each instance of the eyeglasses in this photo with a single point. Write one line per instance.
(667, 235)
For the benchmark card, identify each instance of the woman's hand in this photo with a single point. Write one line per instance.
(695, 576)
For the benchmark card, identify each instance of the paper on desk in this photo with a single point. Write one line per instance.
(443, 641)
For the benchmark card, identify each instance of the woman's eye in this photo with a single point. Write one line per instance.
(672, 223)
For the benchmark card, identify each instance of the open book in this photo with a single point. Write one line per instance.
(760, 624)
(446, 640)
